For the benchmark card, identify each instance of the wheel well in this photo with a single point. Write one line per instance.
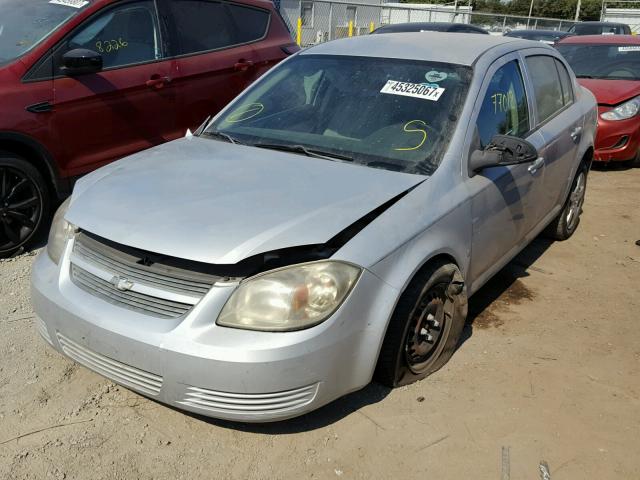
(442, 258)
(38, 157)
(588, 157)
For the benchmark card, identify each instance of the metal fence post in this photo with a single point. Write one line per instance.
(331, 21)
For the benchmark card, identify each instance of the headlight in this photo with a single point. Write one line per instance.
(623, 112)
(61, 231)
(290, 298)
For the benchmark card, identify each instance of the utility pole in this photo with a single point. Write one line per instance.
(530, 12)
(578, 10)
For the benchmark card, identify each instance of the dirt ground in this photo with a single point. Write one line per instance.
(548, 372)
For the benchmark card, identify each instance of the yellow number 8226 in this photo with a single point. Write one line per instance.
(108, 46)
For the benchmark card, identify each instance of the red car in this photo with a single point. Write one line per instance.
(85, 82)
(609, 66)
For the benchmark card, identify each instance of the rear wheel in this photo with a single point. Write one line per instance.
(566, 223)
(425, 328)
(24, 203)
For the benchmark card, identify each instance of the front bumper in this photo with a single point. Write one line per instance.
(617, 141)
(193, 364)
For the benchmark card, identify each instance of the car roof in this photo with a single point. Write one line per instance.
(595, 22)
(415, 26)
(539, 31)
(444, 47)
(602, 40)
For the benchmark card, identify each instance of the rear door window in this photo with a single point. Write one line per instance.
(201, 26)
(504, 109)
(546, 86)
(251, 23)
(565, 83)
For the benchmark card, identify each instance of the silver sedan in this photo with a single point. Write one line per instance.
(325, 229)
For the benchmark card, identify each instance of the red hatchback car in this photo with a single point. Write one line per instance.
(609, 66)
(85, 82)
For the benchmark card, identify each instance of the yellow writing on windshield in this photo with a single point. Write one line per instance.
(408, 127)
(245, 113)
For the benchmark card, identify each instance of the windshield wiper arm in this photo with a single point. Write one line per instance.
(585, 76)
(309, 152)
(221, 136)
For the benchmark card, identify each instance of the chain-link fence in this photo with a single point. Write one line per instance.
(316, 21)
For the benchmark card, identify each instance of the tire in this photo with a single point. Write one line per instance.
(567, 221)
(24, 203)
(434, 304)
(635, 163)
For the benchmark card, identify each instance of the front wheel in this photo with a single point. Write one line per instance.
(566, 223)
(24, 203)
(425, 328)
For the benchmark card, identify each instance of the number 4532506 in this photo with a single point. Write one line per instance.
(106, 46)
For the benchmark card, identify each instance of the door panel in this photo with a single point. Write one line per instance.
(504, 199)
(129, 105)
(206, 83)
(219, 54)
(504, 204)
(560, 156)
(560, 125)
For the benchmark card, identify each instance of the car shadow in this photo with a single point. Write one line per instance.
(612, 166)
(504, 282)
(374, 392)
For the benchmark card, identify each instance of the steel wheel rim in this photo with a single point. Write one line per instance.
(576, 200)
(427, 329)
(20, 208)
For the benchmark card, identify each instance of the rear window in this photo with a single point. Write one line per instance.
(587, 29)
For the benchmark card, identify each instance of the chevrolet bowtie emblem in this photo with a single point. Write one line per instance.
(122, 284)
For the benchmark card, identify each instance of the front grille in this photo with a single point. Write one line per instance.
(134, 301)
(122, 373)
(127, 277)
(249, 403)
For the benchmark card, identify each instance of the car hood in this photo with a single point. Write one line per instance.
(214, 202)
(611, 92)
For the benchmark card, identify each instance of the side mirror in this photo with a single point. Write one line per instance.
(81, 61)
(503, 150)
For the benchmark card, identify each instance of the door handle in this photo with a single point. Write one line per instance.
(157, 82)
(537, 165)
(575, 133)
(243, 65)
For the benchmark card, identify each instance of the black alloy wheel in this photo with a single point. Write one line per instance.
(22, 204)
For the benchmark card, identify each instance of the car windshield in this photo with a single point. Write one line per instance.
(385, 113)
(613, 62)
(25, 23)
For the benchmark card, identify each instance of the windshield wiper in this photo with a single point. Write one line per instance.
(309, 152)
(221, 136)
(585, 76)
